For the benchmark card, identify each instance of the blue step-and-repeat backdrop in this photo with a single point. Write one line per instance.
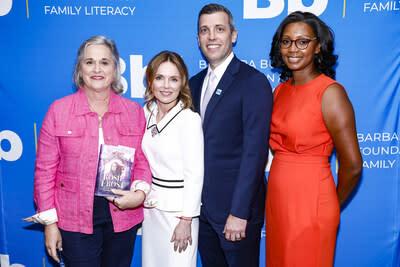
(38, 44)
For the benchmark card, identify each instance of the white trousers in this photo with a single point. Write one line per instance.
(157, 250)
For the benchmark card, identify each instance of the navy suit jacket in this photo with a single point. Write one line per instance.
(236, 130)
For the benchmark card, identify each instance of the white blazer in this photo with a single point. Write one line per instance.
(174, 148)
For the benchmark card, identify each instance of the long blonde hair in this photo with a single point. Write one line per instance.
(152, 67)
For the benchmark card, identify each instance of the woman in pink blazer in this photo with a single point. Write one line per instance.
(90, 230)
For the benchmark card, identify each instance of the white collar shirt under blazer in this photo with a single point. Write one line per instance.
(175, 153)
(219, 72)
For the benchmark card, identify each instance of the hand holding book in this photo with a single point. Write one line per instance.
(127, 199)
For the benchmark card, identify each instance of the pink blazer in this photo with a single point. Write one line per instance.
(67, 157)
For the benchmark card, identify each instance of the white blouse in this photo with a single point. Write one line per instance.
(174, 148)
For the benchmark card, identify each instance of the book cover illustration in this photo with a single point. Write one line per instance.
(114, 170)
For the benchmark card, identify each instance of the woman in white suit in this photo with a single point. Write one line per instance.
(173, 145)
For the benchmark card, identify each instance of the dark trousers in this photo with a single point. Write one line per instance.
(216, 251)
(104, 247)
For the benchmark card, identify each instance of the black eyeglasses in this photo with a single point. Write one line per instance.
(300, 43)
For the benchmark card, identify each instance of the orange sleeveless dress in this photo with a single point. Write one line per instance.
(302, 208)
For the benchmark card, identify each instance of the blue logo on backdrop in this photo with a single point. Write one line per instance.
(275, 8)
(10, 146)
(381, 6)
(5, 7)
(137, 75)
(89, 10)
(379, 150)
(261, 64)
(5, 262)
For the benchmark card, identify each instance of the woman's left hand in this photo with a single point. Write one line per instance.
(128, 199)
(182, 235)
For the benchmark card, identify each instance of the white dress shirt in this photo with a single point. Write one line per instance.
(219, 72)
(175, 154)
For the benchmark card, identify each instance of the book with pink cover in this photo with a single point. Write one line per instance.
(114, 170)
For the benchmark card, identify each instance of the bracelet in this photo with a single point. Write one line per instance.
(184, 219)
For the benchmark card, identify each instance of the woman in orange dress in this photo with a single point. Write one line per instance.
(311, 115)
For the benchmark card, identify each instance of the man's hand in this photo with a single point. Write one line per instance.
(235, 228)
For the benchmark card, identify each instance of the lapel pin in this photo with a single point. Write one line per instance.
(218, 91)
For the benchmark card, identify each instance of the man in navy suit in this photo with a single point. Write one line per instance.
(235, 103)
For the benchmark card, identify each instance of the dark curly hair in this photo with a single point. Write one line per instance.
(324, 60)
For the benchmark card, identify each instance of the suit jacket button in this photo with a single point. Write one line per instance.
(115, 210)
(108, 138)
(62, 184)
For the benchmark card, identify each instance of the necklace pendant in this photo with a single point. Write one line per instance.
(154, 131)
(100, 120)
